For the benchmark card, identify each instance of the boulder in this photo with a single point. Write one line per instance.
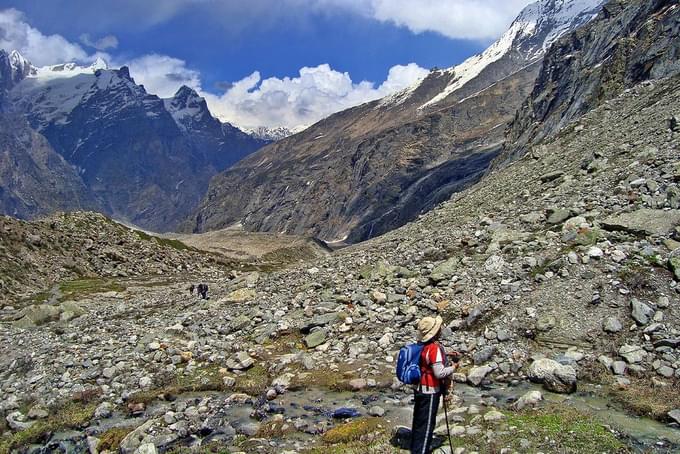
(554, 376)
(36, 315)
(633, 354)
(640, 312)
(644, 222)
(444, 270)
(477, 374)
(240, 361)
(315, 338)
(557, 215)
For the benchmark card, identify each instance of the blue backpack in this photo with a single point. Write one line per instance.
(408, 364)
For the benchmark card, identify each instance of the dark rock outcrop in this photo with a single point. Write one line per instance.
(629, 42)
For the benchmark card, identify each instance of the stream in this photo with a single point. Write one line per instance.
(312, 412)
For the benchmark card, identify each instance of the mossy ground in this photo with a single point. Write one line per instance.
(72, 415)
(206, 378)
(110, 440)
(354, 431)
(557, 430)
(79, 288)
(642, 398)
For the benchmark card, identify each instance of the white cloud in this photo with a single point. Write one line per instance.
(300, 101)
(162, 75)
(16, 33)
(103, 43)
(456, 19)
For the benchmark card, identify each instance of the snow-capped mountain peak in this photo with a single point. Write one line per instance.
(187, 107)
(534, 30)
(273, 134)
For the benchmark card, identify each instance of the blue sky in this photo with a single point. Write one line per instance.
(228, 49)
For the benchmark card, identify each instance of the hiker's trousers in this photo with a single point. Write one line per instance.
(424, 419)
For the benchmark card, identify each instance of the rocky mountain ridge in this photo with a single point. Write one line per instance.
(369, 169)
(145, 160)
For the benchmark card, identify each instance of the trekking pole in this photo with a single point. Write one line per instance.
(446, 417)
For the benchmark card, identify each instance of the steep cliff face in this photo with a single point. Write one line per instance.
(629, 42)
(34, 179)
(146, 160)
(369, 169)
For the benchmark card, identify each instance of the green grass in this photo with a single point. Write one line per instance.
(557, 430)
(73, 415)
(77, 289)
(165, 242)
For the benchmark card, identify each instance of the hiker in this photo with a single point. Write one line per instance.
(433, 383)
(192, 287)
(203, 291)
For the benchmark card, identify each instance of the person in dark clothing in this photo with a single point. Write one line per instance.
(203, 291)
(192, 287)
(433, 383)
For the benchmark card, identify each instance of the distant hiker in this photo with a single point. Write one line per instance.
(192, 287)
(203, 291)
(433, 383)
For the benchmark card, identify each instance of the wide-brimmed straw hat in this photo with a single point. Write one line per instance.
(428, 327)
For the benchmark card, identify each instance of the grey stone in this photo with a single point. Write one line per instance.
(612, 325)
(240, 361)
(633, 354)
(640, 312)
(477, 374)
(644, 221)
(315, 338)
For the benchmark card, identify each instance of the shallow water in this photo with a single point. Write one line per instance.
(313, 410)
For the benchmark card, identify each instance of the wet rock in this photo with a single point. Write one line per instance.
(555, 377)
(675, 415)
(376, 411)
(103, 410)
(17, 421)
(530, 399)
(358, 384)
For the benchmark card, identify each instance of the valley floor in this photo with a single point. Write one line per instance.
(560, 269)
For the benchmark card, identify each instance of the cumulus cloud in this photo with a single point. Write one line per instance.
(16, 33)
(313, 94)
(456, 19)
(103, 43)
(163, 75)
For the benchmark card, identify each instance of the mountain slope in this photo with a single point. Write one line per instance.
(147, 160)
(630, 42)
(34, 179)
(369, 169)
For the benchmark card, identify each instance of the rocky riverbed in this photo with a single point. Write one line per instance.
(560, 270)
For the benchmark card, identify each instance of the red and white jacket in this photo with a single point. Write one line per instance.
(432, 368)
